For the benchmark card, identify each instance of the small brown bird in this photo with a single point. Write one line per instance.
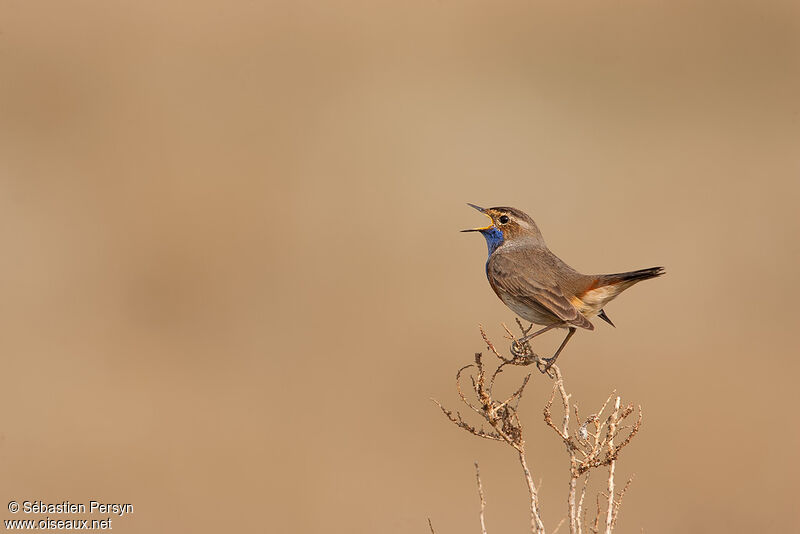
(538, 286)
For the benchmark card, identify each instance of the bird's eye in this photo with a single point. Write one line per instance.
(503, 219)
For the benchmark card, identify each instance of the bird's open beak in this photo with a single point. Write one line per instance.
(482, 210)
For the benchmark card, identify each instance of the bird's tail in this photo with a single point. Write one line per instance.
(606, 287)
(632, 277)
(610, 285)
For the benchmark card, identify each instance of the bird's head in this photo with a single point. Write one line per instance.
(507, 225)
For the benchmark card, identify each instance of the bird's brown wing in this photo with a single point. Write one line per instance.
(507, 275)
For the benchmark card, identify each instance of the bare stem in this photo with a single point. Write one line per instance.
(536, 520)
(483, 501)
(579, 511)
(573, 509)
(612, 430)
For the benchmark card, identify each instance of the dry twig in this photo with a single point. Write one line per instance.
(502, 418)
(480, 494)
(593, 443)
(589, 446)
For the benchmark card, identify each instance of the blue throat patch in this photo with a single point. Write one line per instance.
(494, 238)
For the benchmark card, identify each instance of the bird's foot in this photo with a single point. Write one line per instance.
(518, 350)
(521, 353)
(544, 365)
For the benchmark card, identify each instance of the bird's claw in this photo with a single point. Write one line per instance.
(544, 365)
(517, 350)
(521, 353)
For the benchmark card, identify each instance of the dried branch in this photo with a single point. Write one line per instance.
(591, 449)
(579, 512)
(618, 502)
(483, 501)
(502, 417)
(596, 526)
(593, 442)
(612, 430)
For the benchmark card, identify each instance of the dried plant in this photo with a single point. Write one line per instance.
(592, 444)
(596, 442)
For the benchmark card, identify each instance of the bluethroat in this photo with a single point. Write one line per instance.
(541, 288)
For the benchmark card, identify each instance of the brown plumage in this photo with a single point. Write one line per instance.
(537, 285)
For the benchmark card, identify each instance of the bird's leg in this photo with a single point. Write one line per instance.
(517, 350)
(531, 336)
(550, 361)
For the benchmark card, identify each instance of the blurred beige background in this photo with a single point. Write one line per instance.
(232, 278)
